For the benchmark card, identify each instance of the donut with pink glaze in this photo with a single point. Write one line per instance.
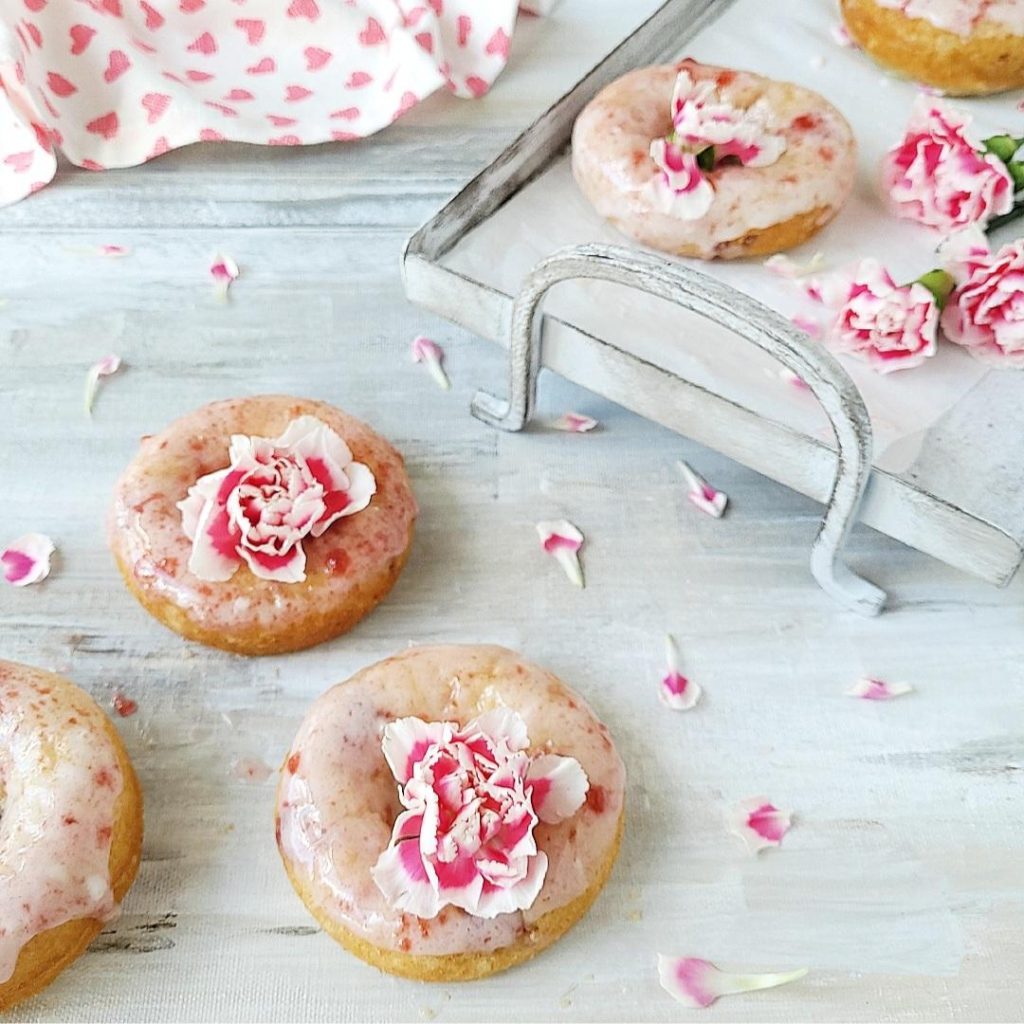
(262, 525)
(450, 811)
(704, 161)
(70, 827)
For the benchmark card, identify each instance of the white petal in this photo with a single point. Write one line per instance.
(27, 559)
(567, 787)
(698, 983)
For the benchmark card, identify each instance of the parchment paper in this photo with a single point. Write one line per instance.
(792, 40)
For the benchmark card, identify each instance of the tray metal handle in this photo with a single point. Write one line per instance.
(827, 380)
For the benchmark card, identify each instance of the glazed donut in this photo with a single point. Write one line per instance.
(963, 47)
(427, 901)
(262, 525)
(783, 173)
(70, 830)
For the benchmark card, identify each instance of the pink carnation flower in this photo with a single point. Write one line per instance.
(891, 326)
(472, 797)
(938, 176)
(271, 496)
(985, 313)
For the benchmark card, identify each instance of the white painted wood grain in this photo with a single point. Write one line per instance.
(900, 884)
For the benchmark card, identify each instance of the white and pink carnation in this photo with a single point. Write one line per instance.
(985, 313)
(702, 120)
(472, 797)
(272, 496)
(890, 326)
(939, 176)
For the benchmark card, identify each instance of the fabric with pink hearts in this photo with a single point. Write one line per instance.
(113, 83)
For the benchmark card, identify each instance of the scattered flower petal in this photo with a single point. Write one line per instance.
(27, 559)
(794, 379)
(841, 36)
(124, 706)
(759, 823)
(575, 423)
(428, 352)
(104, 368)
(223, 270)
(251, 769)
(877, 689)
(786, 266)
(113, 252)
(702, 494)
(563, 541)
(676, 691)
(811, 327)
(698, 983)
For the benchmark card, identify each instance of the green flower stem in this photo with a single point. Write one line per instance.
(997, 222)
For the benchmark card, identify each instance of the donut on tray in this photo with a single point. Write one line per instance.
(70, 827)
(963, 47)
(450, 812)
(262, 525)
(704, 161)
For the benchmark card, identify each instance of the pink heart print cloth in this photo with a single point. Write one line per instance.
(113, 83)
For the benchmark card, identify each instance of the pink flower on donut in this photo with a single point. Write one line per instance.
(985, 313)
(702, 118)
(472, 797)
(706, 130)
(892, 327)
(273, 495)
(938, 176)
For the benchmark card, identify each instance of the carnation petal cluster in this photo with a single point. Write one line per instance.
(471, 798)
(702, 120)
(890, 326)
(985, 313)
(271, 496)
(938, 176)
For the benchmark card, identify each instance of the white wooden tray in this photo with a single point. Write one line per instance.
(944, 474)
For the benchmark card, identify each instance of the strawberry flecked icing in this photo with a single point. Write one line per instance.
(472, 798)
(962, 17)
(272, 495)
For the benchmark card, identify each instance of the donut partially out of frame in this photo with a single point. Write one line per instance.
(71, 830)
(988, 58)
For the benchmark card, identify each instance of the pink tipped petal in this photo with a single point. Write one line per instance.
(814, 329)
(559, 787)
(698, 983)
(27, 559)
(562, 541)
(403, 879)
(502, 724)
(521, 896)
(794, 379)
(405, 742)
(841, 36)
(284, 568)
(224, 271)
(702, 494)
(428, 352)
(759, 823)
(312, 438)
(786, 266)
(877, 689)
(574, 423)
(104, 368)
(675, 690)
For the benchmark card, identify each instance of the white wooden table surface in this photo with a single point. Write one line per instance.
(901, 885)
